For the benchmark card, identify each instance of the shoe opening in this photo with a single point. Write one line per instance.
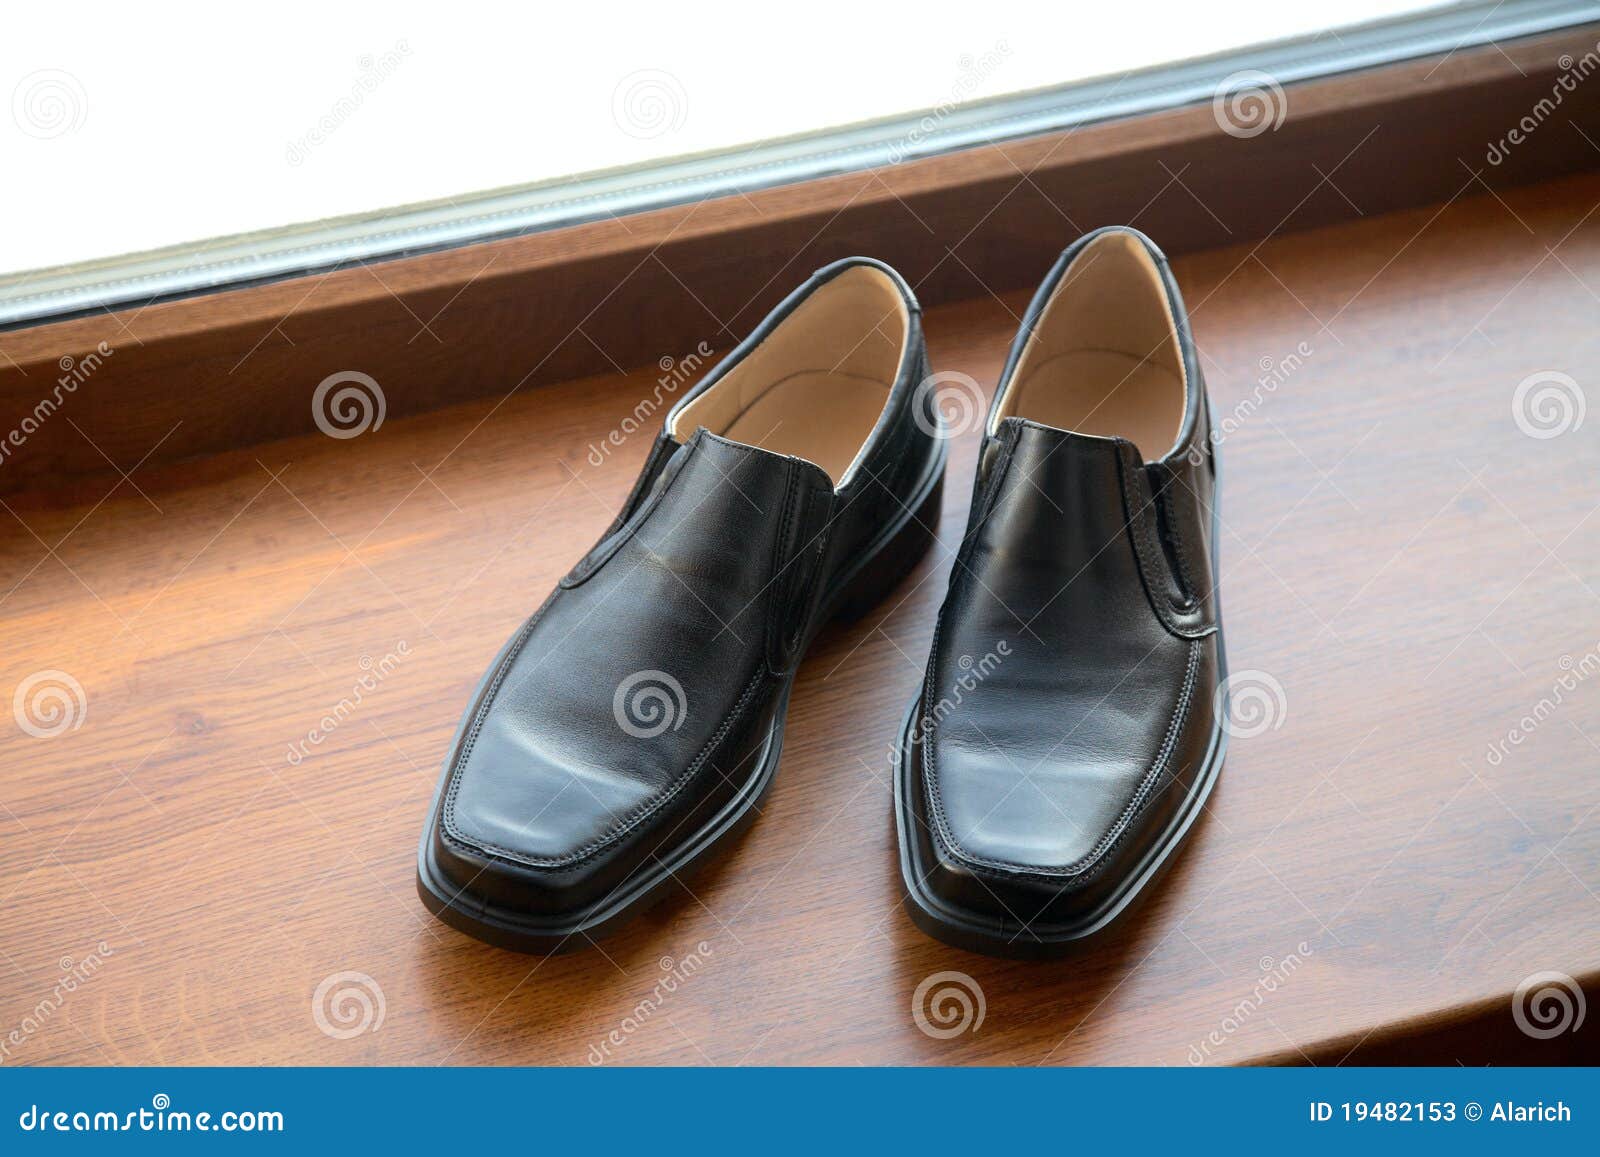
(815, 386)
(1104, 357)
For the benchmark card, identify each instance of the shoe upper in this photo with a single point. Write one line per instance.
(1069, 698)
(641, 697)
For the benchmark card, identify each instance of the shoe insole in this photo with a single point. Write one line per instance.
(1105, 393)
(822, 417)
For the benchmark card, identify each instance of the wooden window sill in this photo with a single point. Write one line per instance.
(1398, 555)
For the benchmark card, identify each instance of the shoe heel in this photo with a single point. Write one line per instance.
(893, 561)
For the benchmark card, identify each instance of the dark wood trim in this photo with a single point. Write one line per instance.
(208, 373)
(1482, 1033)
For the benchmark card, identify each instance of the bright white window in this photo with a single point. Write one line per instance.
(132, 130)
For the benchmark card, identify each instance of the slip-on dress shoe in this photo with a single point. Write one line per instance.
(634, 722)
(1068, 729)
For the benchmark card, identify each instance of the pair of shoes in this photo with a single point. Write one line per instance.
(1068, 729)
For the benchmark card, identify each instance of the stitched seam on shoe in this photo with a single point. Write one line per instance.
(1179, 550)
(778, 604)
(809, 556)
(1088, 864)
(1138, 513)
(471, 739)
(643, 813)
(453, 833)
(1147, 552)
(1002, 467)
(615, 539)
(1147, 792)
(515, 650)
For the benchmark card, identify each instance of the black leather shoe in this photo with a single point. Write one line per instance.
(634, 722)
(1069, 727)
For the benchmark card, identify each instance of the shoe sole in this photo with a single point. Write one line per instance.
(880, 569)
(978, 932)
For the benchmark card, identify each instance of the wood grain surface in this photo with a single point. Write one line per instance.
(1409, 575)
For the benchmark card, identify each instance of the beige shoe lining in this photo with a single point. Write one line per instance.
(816, 386)
(1104, 357)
